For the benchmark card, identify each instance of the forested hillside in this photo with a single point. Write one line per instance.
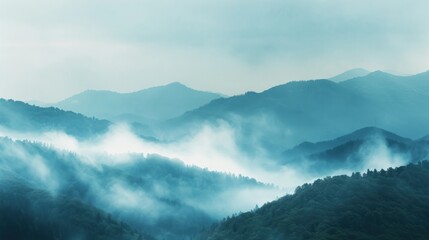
(30, 213)
(22, 117)
(152, 195)
(391, 204)
(355, 151)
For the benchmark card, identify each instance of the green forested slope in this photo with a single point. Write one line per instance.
(388, 204)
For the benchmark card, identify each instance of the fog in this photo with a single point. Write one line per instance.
(126, 175)
(379, 156)
(154, 183)
(212, 146)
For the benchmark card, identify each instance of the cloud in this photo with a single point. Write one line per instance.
(213, 147)
(33, 166)
(223, 46)
(108, 172)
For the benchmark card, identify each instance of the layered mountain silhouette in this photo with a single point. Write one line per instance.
(367, 133)
(47, 193)
(321, 109)
(386, 204)
(90, 195)
(22, 117)
(353, 150)
(145, 106)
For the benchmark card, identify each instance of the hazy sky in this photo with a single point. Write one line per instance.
(50, 49)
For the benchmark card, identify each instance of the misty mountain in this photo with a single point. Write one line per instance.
(30, 213)
(314, 110)
(152, 195)
(388, 204)
(363, 134)
(21, 117)
(145, 106)
(350, 74)
(365, 147)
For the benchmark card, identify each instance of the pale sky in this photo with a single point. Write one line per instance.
(51, 49)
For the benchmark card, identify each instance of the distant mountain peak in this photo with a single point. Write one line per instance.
(176, 84)
(380, 73)
(352, 73)
(146, 106)
(368, 132)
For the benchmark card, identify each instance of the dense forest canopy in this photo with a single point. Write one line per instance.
(386, 204)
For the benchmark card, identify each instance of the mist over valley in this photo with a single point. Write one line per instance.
(207, 120)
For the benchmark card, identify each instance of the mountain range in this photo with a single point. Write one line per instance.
(354, 150)
(146, 106)
(312, 128)
(313, 110)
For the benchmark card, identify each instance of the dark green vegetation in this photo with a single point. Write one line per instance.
(321, 109)
(381, 205)
(29, 213)
(152, 195)
(352, 151)
(145, 106)
(22, 117)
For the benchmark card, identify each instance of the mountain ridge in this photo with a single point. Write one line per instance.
(20, 116)
(390, 204)
(350, 74)
(311, 110)
(146, 105)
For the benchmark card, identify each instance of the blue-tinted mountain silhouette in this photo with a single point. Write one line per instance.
(350, 74)
(145, 106)
(353, 150)
(321, 109)
(22, 117)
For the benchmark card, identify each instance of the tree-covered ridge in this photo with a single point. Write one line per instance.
(386, 204)
(354, 151)
(20, 116)
(153, 195)
(29, 213)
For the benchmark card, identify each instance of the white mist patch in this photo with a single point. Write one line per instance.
(30, 166)
(241, 200)
(59, 140)
(211, 147)
(378, 156)
(118, 140)
(124, 197)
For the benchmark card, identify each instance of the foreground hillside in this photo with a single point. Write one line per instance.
(30, 213)
(153, 195)
(387, 204)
